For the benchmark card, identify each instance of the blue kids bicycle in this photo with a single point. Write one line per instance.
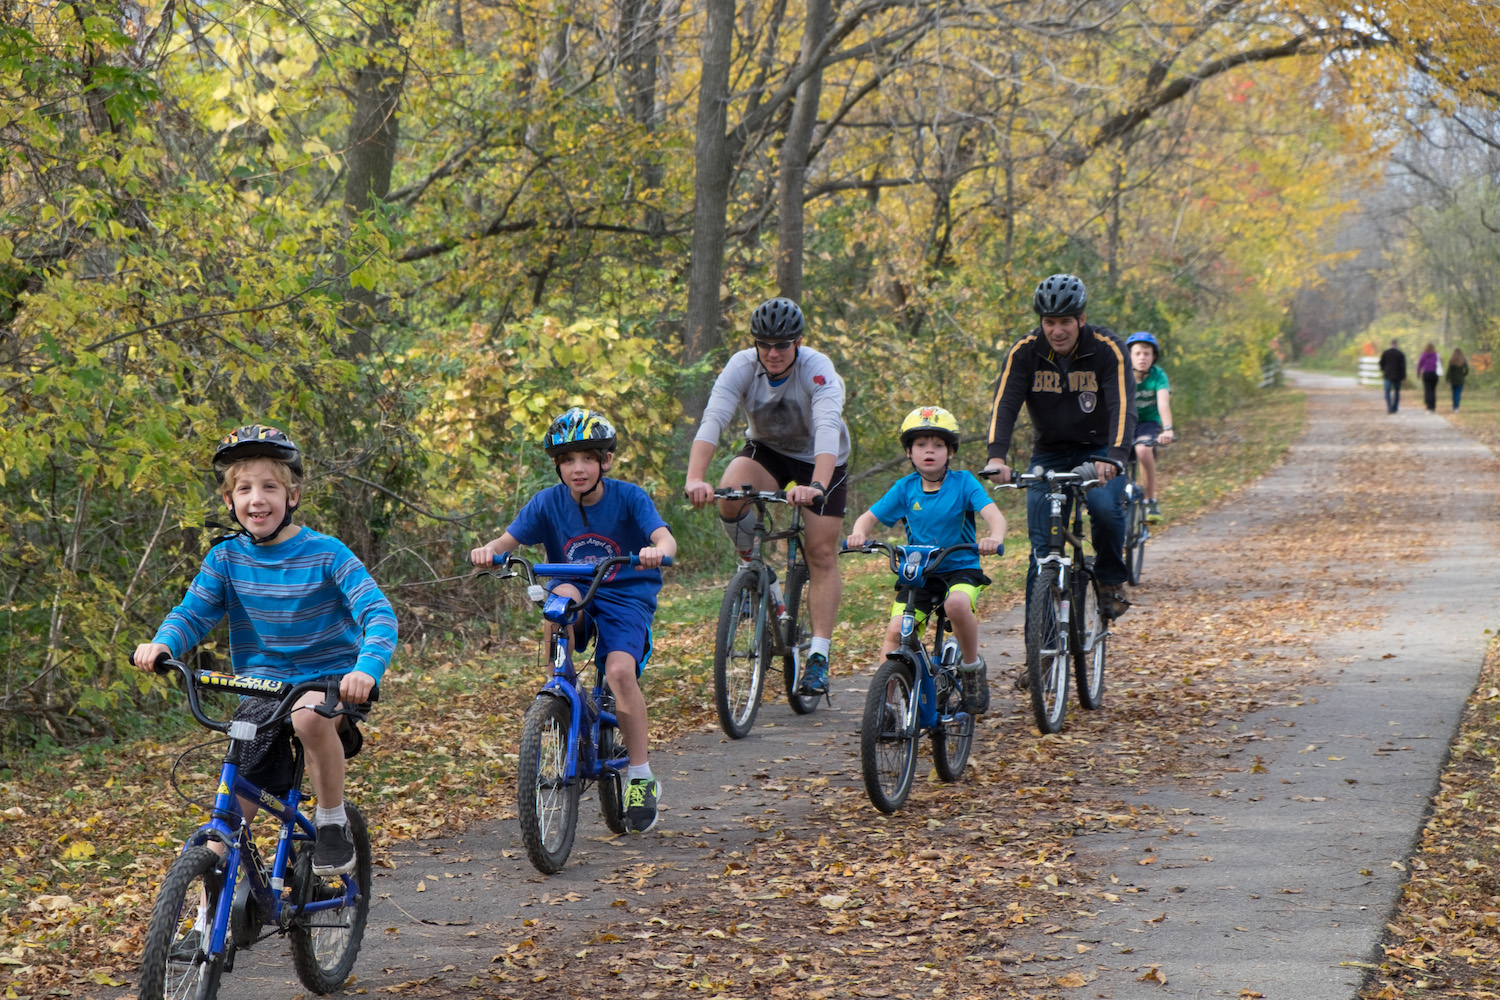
(910, 693)
(570, 736)
(215, 902)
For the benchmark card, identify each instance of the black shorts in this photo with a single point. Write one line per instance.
(1147, 431)
(937, 588)
(788, 470)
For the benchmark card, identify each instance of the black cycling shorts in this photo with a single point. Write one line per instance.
(789, 470)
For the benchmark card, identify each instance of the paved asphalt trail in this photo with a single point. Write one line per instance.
(1279, 909)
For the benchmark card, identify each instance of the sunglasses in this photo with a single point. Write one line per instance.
(775, 345)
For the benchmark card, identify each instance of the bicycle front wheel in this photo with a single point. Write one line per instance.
(887, 743)
(546, 800)
(798, 638)
(741, 652)
(611, 785)
(173, 965)
(1089, 634)
(1046, 652)
(326, 943)
(953, 736)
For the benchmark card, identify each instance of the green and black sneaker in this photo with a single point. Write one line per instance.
(641, 796)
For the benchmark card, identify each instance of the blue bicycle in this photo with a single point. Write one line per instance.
(213, 903)
(910, 693)
(570, 736)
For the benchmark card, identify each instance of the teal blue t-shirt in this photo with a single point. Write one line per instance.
(943, 517)
(1146, 388)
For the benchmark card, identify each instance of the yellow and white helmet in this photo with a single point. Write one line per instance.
(929, 420)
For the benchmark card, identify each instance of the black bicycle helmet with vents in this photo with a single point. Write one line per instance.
(777, 319)
(1060, 295)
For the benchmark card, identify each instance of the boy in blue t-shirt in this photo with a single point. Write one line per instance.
(938, 505)
(586, 519)
(300, 606)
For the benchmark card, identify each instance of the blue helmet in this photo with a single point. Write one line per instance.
(579, 429)
(1143, 338)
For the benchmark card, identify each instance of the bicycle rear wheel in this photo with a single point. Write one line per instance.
(326, 943)
(1135, 535)
(173, 965)
(546, 800)
(887, 743)
(1089, 636)
(953, 736)
(741, 653)
(798, 637)
(1046, 652)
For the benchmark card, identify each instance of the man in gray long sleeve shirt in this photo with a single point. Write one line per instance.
(793, 402)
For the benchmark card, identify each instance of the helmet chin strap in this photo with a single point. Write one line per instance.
(286, 519)
(582, 510)
(766, 372)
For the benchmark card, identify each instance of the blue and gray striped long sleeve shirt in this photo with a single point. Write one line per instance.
(302, 609)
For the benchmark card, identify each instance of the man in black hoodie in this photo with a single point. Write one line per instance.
(1393, 367)
(1076, 383)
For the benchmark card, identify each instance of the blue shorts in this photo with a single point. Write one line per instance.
(614, 627)
(1147, 431)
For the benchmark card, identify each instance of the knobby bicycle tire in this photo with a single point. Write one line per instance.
(953, 736)
(326, 943)
(1046, 656)
(611, 786)
(175, 920)
(1089, 638)
(887, 744)
(1135, 536)
(741, 653)
(798, 637)
(546, 801)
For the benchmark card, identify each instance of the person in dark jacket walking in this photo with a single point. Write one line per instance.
(1393, 367)
(1427, 369)
(1076, 383)
(1456, 372)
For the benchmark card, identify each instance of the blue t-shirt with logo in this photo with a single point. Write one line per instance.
(621, 523)
(943, 517)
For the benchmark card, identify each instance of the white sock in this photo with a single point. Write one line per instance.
(819, 646)
(971, 665)
(741, 532)
(638, 772)
(331, 817)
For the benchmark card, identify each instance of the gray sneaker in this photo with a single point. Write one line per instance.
(976, 685)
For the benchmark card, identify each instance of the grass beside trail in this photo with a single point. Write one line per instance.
(88, 831)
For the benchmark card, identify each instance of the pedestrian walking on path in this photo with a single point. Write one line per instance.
(1393, 367)
(1427, 368)
(1457, 372)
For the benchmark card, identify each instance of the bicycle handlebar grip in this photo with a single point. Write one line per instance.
(500, 558)
(635, 560)
(160, 666)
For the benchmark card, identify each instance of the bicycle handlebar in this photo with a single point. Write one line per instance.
(1082, 478)
(744, 493)
(576, 571)
(935, 557)
(286, 691)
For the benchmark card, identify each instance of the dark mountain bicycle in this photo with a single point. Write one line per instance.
(1137, 530)
(912, 694)
(213, 904)
(761, 618)
(1064, 617)
(570, 736)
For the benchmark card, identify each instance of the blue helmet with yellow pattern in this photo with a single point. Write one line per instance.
(577, 430)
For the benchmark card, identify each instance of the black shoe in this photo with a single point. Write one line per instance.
(1023, 680)
(814, 676)
(333, 854)
(1113, 603)
(641, 797)
(184, 950)
(976, 685)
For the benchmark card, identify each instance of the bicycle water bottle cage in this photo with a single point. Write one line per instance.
(556, 610)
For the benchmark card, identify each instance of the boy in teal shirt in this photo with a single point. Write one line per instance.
(938, 505)
(1153, 409)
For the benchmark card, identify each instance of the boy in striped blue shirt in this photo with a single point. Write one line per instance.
(300, 606)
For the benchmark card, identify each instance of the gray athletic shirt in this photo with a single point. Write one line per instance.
(801, 418)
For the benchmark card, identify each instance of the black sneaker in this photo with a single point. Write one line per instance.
(333, 854)
(976, 685)
(1113, 602)
(641, 796)
(814, 676)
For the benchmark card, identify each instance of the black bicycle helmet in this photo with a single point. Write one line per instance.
(777, 319)
(1060, 295)
(256, 441)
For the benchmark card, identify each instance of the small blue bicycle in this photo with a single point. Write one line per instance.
(570, 736)
(894, 718)
(210, 905)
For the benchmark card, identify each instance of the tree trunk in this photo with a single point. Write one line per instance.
(794, 156)
(640, 37)
(710, 193)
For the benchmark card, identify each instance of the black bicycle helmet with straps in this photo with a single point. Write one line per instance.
(777, 319)
(257, 441)
(1060, 295)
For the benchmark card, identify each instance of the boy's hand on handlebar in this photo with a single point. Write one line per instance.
(146, 654)
(997, 472)
(989, 546)
(1165, 437)
(650, 557)
(697, 492)
(355, 687)
(856, 540)
(483, 556)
